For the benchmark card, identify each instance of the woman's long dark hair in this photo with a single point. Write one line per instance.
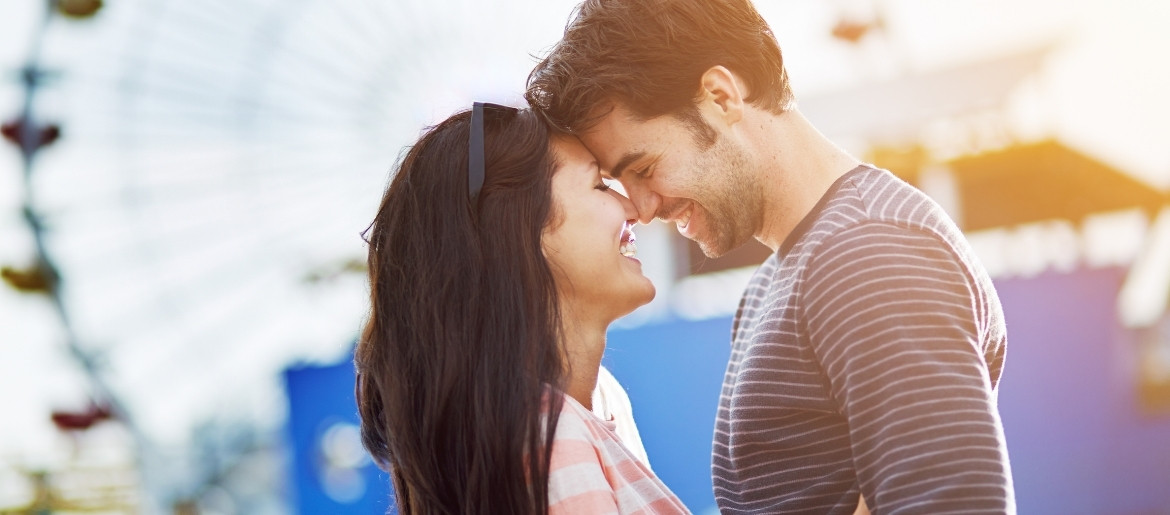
(463, 338)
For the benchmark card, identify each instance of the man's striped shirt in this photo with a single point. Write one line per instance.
(865, 358)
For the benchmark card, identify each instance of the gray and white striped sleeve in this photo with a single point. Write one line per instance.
(890, 314)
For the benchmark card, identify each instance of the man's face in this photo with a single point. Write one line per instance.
(706, 192)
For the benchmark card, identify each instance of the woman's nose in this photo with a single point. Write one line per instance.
(628, 207)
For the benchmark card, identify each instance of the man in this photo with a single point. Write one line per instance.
(867, 349)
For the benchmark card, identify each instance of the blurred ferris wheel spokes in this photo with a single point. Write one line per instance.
(218, 152)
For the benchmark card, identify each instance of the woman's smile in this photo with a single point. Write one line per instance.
(629, 245)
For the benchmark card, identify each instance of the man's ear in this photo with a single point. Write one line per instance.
(722, 94)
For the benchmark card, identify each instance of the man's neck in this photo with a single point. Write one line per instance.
(796, 165)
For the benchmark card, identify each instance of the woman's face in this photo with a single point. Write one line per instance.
(589, 244)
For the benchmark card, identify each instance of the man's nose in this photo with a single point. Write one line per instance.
(645, 202)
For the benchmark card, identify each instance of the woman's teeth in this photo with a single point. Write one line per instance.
(629, 246)
(629, 249)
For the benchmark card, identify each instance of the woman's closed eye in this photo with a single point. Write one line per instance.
(606, 184)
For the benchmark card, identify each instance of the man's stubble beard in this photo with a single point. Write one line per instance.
(734, 206)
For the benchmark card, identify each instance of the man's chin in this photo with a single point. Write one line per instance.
(717, 247)
(713, 249)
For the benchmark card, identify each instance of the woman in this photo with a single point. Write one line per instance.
(497, 260)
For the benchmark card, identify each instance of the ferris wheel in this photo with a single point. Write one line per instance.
(217, 162)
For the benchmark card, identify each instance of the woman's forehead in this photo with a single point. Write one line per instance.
(573, 156)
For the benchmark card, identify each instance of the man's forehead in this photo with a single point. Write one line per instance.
(614, 154)
(614, 114)
(613, 135)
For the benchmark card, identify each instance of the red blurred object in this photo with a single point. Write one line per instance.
(851, 31)
(80, 421)
(41, 135)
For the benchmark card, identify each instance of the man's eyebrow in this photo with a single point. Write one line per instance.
(624, 163)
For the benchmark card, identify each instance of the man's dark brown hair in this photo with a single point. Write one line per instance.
(649, 56)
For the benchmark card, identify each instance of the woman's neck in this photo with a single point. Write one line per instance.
(584, 346)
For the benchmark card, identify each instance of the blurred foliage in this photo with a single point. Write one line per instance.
(36, 279)
(78, 9)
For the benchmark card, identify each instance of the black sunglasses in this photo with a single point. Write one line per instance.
(475, 157)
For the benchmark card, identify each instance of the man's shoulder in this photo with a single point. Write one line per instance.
(876, 194)
(876, 198)
(867, 199)
(865, 195)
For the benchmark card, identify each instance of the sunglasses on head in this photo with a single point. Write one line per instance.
(475, 152)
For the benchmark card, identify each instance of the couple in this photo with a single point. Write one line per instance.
(866, 351)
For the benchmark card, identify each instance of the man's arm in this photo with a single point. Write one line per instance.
(891, 316)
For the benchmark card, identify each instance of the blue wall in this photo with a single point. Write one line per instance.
(1078, 441)
(320, 399)
(673, 373)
